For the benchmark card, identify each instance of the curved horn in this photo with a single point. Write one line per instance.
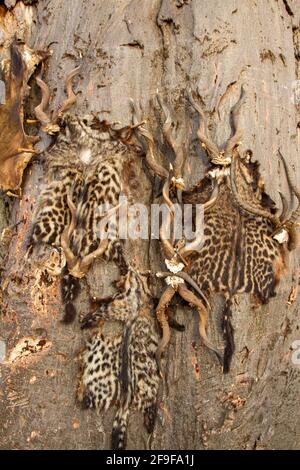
(88, 259)
(192, 299)
(40, 111)
(187, 278)
(49, 125)
(285, 207)
(235, 112)
(153, 164)
(162, 319)
(191, 246)
(165, 229)
(173, 143)
(71, 97)
(206, 142)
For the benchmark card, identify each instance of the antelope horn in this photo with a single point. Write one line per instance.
(153, 164)
(191, 246)
(177, 148)
(192, 299)
(187, 278)
(206, 142)
(243, 204)
(88, 259)
(285, 207)
(65, 237)
(162, 319)
(40, 110)
(234, 140)
(165, 229)
(71, 97)
(296, 213)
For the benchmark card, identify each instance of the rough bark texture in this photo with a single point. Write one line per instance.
(130, 48)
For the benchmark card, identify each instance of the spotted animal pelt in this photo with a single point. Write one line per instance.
(122, 370)
(87, 164)
(239, 255)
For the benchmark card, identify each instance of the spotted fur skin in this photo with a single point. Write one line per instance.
(239, 254)
(122, 370)
(86, 163)
(123, 305)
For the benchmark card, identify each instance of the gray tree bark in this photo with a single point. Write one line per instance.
(129, 49)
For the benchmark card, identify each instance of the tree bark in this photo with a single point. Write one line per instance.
(129, 49)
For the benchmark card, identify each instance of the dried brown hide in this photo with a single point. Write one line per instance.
(16, 148)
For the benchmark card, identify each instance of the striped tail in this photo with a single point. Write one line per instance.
(228, 332)
(119, 432)
(70, 288)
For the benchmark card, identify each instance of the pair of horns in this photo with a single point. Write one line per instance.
(216, 155)
(50, 125)
(79, 267)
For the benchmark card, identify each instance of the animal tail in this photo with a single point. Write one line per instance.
(124, 376)
(150, 414)
(70, 288)
(228, 332)
(119, 432)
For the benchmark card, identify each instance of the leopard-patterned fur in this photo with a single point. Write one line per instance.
(239, 254)
(86, 163)
(122, 370)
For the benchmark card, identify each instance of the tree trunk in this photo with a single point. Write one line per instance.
(129, 49)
